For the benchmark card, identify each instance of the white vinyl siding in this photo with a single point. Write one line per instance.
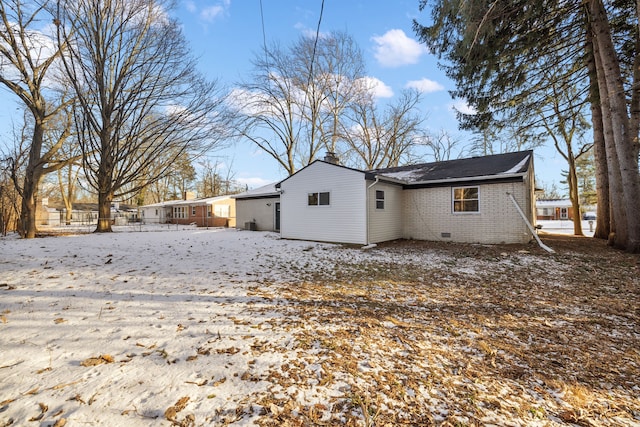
(261, 210)
(342, 220)
(385, 224)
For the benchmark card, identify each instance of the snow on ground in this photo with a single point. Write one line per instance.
(566, 227)
(187, 326)
(156, 303)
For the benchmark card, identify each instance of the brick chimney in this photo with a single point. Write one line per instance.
(330, 157)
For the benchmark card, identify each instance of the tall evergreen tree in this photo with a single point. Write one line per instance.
(498, 53)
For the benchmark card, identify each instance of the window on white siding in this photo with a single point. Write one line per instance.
(379, 199)
(222, 211)
(466, 199)
(318, 199)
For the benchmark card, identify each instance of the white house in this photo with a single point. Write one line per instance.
(467, 200)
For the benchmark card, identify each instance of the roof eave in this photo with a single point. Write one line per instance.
(469, 179)
(372, 176)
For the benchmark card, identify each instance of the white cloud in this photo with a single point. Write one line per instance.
(310, 32)
(460, 105)
(425, 85)
(377, 87)
(253, 182)
(212, 12)
(209, 13)
(191, 6)
(394, 49)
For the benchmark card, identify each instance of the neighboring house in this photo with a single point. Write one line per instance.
(209, 212)
(258, 209)
(465, 200)
(554, 209)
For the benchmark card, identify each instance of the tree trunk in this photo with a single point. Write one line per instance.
(634, 107)
(68, 216)
(104, 212)
(603, 214)
(28, 227)
(33, 173)
(617, 224)
(572, 180)
(105, 192)
(623, 143)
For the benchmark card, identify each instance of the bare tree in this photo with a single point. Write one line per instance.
(563, 120)
(268, 108)
(330, 72)
(295, 102)
(9, 198)
(443, 146)
(378, 139)
(27, 55)
(139, 94)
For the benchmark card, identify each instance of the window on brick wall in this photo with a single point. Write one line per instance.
(466, 199)
(179, 212)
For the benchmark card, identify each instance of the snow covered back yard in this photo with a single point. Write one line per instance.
(196, 327)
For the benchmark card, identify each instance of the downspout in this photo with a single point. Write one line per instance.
(533, 231)
(369, 245)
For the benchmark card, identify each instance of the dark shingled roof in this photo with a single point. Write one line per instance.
(494, 166)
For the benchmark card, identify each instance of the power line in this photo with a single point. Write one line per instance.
(315, 44)
(264, 35)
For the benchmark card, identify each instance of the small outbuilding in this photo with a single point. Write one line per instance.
(258, 209)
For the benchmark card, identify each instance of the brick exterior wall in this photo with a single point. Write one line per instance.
(428, 215)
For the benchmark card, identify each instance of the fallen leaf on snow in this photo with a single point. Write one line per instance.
(172, 411)
(93, 361)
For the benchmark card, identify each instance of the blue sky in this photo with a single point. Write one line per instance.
(225, 35)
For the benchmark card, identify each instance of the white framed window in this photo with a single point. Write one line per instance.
(379, 199)
(179, 212)
(193, 211)
(319, 199)
(466, 199)
(209, 211)
(564, 213)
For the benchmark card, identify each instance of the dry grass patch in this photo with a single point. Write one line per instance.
(516, 336)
